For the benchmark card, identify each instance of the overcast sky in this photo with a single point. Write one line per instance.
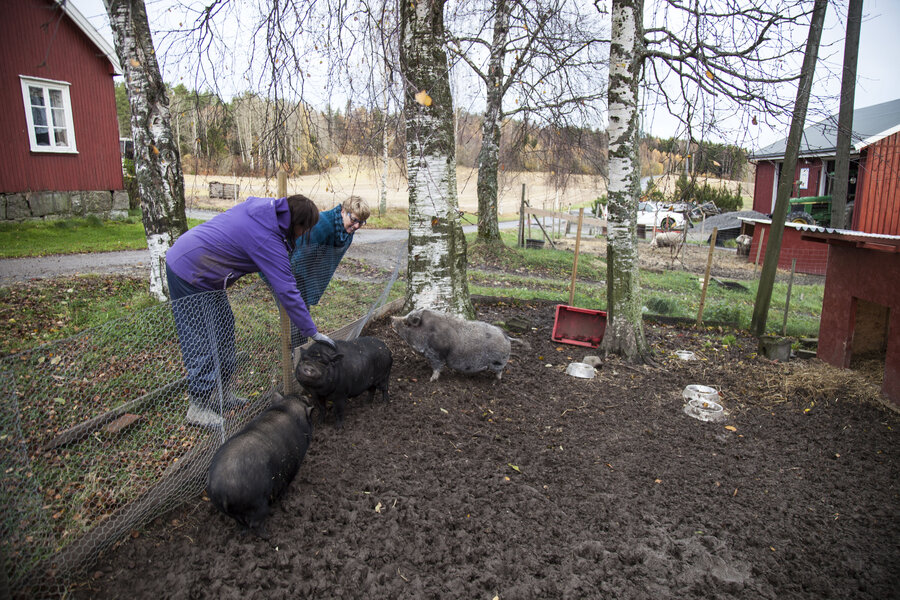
(878, 55)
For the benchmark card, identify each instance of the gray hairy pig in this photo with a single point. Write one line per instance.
(356, 366)
(255, 466)
(446, 340)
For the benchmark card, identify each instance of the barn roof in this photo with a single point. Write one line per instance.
(880, 241)
(870, 124)
(91, 32)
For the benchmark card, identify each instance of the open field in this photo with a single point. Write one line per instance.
(362, 177)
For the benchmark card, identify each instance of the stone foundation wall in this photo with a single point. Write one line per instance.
(62, 205)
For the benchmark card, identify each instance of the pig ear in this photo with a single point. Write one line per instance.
(336, 357)
(414, 320)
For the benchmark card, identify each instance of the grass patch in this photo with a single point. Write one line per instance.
(393, 219)
(73, 236)
(40, 311)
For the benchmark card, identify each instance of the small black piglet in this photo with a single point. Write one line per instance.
(255, 466)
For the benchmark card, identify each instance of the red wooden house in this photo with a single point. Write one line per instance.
(874, 187)
(60, 151)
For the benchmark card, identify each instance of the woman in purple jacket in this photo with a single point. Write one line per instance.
(254, 236)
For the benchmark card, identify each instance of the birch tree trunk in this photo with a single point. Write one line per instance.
(489, 155)
(382, 202)
(624, 329)
(157, 162)
(437, 248)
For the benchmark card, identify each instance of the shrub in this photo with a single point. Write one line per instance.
(661, 306)
(724, 199)
(724, 313)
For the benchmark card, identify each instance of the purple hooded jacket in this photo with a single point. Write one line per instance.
(248, 238)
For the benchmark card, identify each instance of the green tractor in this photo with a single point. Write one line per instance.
(812, 210)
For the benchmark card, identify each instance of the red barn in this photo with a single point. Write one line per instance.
(60, 151)
(874, 187)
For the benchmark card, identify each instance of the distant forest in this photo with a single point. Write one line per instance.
(252, 136)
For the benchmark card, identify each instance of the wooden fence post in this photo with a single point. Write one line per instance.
(287, 365)
(762, 237)
(522, 219)
(575, 262)
(712, 246)
(787, 304)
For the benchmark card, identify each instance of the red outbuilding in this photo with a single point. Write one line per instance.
(861, 306)
(60, 152)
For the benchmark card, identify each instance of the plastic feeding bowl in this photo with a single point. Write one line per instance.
(702, 402)
(580, 370)
(685, 354)
(700, 392)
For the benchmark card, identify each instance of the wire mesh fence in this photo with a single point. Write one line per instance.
(100, 433)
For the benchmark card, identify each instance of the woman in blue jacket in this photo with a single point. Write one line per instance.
(257, 235)
(313, 263)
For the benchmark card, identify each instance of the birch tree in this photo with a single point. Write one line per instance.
(700, 60)
(437, 247)
(545, 53)
(157, 162)
(624, 329)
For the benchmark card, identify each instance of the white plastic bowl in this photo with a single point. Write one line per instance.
(580, 370)
(685, 354)
(704, 410)
(700, 392)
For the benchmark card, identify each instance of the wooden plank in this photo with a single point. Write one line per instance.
(592, 221)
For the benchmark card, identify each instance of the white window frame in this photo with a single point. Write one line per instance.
(47, 85)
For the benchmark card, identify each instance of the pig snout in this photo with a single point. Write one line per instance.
(310, 371)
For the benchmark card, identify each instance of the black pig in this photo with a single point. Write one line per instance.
(356, 366)
(254, 467)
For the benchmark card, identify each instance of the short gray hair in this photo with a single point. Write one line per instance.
(357, 206)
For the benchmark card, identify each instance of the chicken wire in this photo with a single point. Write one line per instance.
(93, 430)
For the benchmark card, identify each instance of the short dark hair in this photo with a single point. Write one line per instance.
(303, 212)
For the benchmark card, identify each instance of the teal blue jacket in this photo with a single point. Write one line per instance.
(315, 259)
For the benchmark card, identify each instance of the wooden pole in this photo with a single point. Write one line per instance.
(787, 304)
(712, 246)
(522, 219)
(762, 238)
(786, 180)
(575, 262)
(287, 365)
(528, 218)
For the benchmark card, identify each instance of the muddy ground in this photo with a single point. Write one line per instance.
(546, 486)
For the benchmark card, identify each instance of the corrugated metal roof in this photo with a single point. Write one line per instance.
(870, 124)
(846, 233)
